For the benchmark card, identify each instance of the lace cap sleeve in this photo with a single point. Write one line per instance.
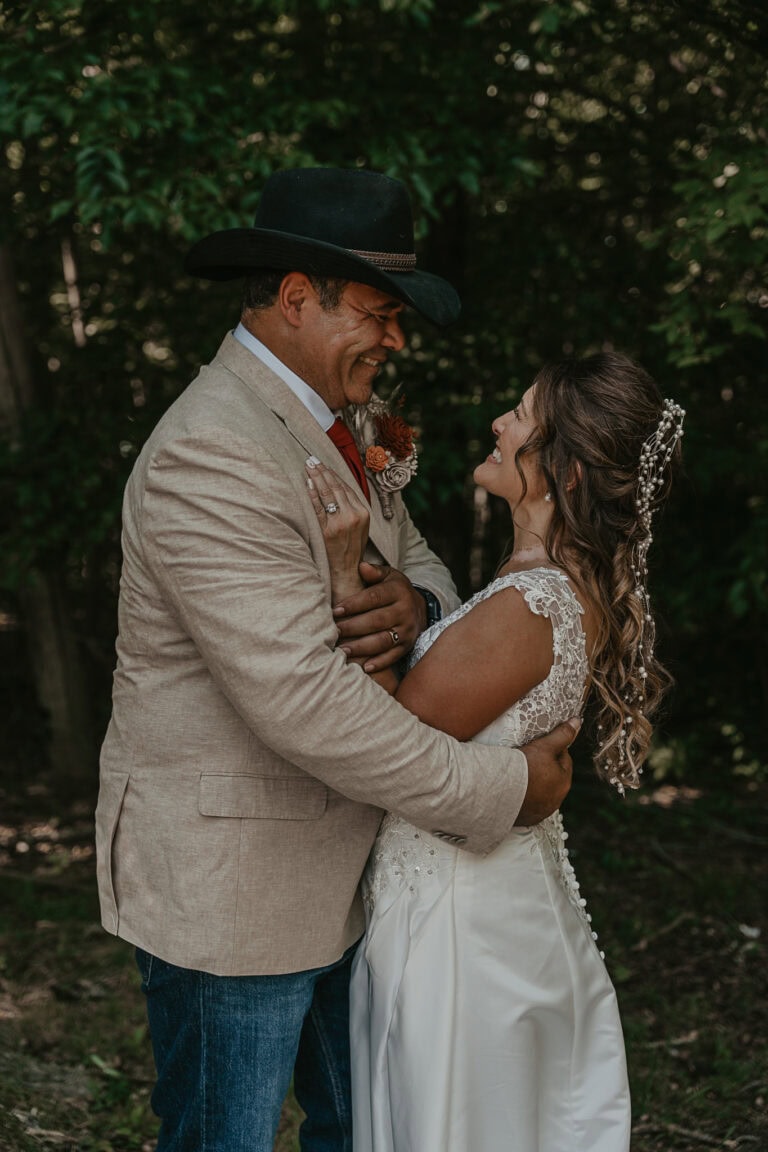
(547, 592)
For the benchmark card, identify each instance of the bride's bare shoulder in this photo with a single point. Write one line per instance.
(480, 665)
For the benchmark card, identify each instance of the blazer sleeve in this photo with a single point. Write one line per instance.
(233, 545)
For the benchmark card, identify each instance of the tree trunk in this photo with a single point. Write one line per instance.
(56, 662)
(16, 391)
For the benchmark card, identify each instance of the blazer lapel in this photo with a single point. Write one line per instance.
(302, 426)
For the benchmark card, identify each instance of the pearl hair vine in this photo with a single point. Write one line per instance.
(655, 456)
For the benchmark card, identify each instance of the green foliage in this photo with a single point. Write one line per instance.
(588, 174)
(718, 259)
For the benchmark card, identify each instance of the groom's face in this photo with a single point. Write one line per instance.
(345, 349)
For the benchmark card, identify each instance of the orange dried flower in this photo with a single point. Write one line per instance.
(395, 434)
(376, 458)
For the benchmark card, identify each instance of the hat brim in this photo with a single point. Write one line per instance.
(234, 252)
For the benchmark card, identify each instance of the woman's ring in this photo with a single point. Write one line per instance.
(331, 508)
(394, 635)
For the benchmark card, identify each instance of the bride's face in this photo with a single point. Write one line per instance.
(499, 473)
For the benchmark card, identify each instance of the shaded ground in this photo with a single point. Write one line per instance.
(676, 884)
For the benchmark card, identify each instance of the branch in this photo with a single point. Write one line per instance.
(693, 1134)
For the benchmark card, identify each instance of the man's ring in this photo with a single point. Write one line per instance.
(394, 635)
(331, 508)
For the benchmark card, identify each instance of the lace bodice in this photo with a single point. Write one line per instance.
(547, 593)
(403, 852)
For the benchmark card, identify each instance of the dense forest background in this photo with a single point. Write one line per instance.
(590, 174)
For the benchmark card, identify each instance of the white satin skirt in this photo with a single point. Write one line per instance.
(482, 1015)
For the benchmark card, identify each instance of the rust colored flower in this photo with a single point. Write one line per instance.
(395, 434)
(376, 458)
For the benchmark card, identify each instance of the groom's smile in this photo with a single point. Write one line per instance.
(345, 348)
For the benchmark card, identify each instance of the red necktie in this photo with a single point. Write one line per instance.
(342, 438)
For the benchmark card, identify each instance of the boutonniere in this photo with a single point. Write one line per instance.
(387, 445)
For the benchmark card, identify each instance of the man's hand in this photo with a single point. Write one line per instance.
(549, 773)
(379, 625)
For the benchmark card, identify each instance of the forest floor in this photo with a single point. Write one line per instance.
(676, 880)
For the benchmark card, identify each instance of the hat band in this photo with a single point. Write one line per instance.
(389, 261)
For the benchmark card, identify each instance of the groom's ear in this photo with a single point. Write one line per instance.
(292, 296)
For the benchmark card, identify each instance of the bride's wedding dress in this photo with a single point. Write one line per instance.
(483, 1018)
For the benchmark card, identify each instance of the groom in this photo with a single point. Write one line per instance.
(247, 761)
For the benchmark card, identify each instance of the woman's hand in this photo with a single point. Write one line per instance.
(344, 520)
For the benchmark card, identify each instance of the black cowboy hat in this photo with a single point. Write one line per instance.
(338, 222)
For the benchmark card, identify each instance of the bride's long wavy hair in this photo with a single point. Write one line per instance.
(593, 416)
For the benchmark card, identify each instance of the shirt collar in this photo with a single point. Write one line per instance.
(309, 398)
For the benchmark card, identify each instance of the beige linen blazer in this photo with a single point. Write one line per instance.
(246, 764)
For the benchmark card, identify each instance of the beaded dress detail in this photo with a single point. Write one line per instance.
(482, 1014)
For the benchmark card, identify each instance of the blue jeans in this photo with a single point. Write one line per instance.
(225, 1048)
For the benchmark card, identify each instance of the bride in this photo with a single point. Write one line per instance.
(483, 1017)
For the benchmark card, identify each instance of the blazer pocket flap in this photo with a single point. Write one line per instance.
(111, 796)
(262, 797)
